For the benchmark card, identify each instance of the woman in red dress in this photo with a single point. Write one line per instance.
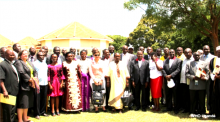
(156, 79)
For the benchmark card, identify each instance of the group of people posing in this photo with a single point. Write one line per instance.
(180, 82)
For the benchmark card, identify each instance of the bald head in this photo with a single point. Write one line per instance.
(149, 50)
(2, 51)
(125, 49)
(111, 49)
(46, 49)
(179, 51)
(188, 53)
(94, 50)
(9, 55)
(141, 48)
(206, 49)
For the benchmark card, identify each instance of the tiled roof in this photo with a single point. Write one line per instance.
(77, 30)
(30, 41)
(5, 42)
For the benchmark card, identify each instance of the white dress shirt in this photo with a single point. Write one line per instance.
(171, 62)
(41, 68)
(125, 58)
(139, 63)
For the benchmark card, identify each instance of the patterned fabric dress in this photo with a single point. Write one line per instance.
(55, 76)
(72, 98)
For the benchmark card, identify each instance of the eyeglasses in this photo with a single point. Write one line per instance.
(96, 55)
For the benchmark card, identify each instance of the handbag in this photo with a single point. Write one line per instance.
(97, 95)
(127, 98)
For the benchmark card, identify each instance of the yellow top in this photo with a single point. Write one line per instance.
(31, 69)
(182, 57)
(162, 58)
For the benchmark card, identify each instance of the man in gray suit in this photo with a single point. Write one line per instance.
(207, 57)
(140, 78)
(198, 83)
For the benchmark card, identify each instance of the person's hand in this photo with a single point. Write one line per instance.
(196, 78)
(51, 88)
(5, 93)
(31, 80)
(133, 83)
(154, 58)
(61, 86)
(168, 77)
(203, 78)
(100, 82)
(146, 84)
(217, 76)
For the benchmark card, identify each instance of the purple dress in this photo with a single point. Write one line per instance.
(55, 76)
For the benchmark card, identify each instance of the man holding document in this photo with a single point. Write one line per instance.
(9, 81)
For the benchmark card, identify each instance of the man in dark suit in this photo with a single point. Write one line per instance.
(32, 54)
(9, 80)
(47, 56)
(171, 71)
(140, 78)
(61, 59)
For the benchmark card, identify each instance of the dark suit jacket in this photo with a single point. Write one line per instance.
(48, 59)
(174, 70)
(9, 77)
(24, 73)
(135, 57)
(146, 57)
(141, 74)
(34, 58)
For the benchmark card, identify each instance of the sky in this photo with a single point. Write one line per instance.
(36, 18)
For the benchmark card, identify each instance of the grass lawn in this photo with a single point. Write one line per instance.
(127, 116)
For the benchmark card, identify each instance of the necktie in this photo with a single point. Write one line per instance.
(118, 71)
(32, 58)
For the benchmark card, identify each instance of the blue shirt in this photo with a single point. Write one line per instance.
(41, 68)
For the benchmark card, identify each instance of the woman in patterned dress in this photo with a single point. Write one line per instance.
(55, 82)
(72, 100)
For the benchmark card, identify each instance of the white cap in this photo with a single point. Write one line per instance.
(130, 47)
(217, 48)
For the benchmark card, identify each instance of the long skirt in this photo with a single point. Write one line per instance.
(86, 91)
(156, 87)
(72, 100)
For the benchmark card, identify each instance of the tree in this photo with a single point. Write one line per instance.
(147, 34)
(195, 16)
(119, 41)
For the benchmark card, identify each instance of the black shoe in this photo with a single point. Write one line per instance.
(96, 111)
(176, 112)
(130, 108)
(185, 111)
(144, 109)
(166, 110)
(136, 109)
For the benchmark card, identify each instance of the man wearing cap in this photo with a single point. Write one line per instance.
(171, 72)
(215, 79)
(131, 50)
(198, 73)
